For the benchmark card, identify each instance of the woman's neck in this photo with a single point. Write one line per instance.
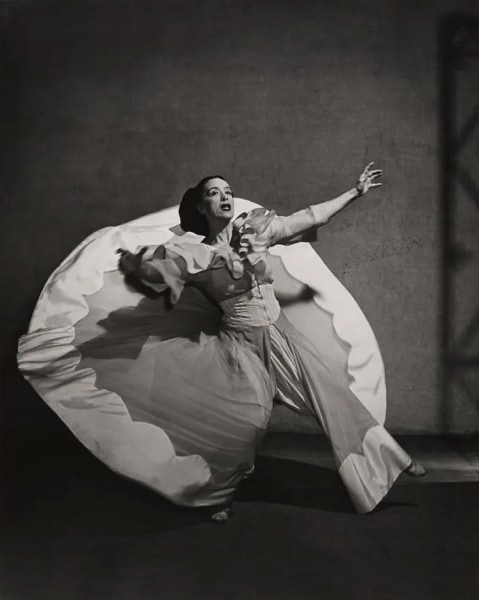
(218, 232)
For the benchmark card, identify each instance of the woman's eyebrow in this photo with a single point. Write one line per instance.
(217, 188)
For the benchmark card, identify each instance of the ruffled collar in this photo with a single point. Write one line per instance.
(241, 244)
(248, 238)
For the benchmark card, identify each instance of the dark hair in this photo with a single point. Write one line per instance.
(190, 217)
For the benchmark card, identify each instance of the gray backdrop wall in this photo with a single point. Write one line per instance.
(114, 108)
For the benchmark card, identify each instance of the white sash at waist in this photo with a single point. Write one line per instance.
(256, 308)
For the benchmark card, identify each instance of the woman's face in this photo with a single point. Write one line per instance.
(218, 200)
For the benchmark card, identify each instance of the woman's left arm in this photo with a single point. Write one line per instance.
(301, 224)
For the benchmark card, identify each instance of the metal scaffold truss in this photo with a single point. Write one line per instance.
(459, 129)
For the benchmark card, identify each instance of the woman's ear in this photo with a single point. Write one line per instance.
(201, 209)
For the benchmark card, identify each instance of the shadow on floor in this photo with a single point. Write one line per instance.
(72, 529)
(287, 482)
(71, 493)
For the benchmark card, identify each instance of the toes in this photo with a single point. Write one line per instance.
(416, 470)
(221, 516)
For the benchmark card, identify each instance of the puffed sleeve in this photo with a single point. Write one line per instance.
(170, 266)
(300, 226)
(262, 226)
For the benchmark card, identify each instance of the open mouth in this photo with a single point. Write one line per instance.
(226, 207)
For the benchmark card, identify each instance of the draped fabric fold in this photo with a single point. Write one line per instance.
(178, 399)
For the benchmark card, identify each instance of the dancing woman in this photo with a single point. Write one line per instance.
(221, 409)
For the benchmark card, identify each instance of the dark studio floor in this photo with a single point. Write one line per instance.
(72, 530)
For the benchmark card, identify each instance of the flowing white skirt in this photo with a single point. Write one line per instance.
(169, 399)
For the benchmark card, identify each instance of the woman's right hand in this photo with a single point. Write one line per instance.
(367, 179)
(129, 263)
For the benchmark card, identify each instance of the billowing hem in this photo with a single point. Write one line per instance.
(142, 451)
(380, 464)
(136, 450)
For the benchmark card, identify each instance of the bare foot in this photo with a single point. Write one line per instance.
(220, 514)
(416, 470)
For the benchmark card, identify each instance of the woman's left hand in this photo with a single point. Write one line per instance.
(367, 179)
(130, 263)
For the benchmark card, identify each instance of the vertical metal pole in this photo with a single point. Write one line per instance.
(446, 193)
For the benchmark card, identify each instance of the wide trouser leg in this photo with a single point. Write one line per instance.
(369, 460)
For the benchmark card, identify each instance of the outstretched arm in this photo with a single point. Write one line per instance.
(298, 225)
(168, 266)
(326, 210)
